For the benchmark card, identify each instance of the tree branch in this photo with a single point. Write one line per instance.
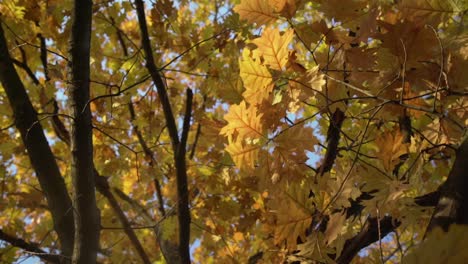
(333, 138)
(38, 149)
(183, 212)
(155, 75)
(150, 155)
(103, 187)
(452, 207)
(168, 247)
(178, 149)
(32, 248)
(368, 235)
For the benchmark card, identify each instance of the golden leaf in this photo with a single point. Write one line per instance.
(243, 155)
(293, 217)
(273, 47)
(391, 147)
(256, 11)
(334, 226)
(257, 79)
(243, 121)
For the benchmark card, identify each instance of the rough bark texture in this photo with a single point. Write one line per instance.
(86, 213)
(40, 154)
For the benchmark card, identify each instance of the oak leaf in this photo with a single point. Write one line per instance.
(243, 121)
(391, 147)
(256, 11)
(273, 47)
(256, 78)
(244, 155)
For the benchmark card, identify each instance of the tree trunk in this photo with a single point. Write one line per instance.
(38, 149)
(86, 213)
(452, 207)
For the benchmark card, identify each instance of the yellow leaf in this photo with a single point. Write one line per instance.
(257, 79)
(286, 8)
(256, 11)
(391, 147)
(243, 121)
(273, 47)
(297, 139)
(293, 218)
(243, 155)
(334, 226)
(238, 236)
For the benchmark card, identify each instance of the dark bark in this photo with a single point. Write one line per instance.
(450, 201)
(39, 152)
(178, 146)
(333, 139)
(452, 207)
(32, 248)
(368, 235)
(103, 188)
(86, 213)
(183, 211)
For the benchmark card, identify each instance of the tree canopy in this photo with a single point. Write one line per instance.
(251, 131)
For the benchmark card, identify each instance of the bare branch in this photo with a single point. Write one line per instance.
(31, 248)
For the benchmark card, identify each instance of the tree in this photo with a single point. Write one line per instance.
(249, 131)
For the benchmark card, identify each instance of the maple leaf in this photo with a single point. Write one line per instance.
(243, 121)
(273, 47)
(256, 11)
(391, 147)
(257, 79)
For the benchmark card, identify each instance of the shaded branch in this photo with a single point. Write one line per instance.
(150, 155)
(44, 55)
(103, 187)
(31, 248)
(452, 207)
(183, 212)
(155, 75)
(26, 68)
(169, 248)
(178, 149)
(368, 235)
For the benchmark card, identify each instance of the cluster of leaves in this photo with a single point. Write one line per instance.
(375, 89)
(309, 119)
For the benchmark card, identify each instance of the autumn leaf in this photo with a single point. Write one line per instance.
(273, 47)
(334, 226)
(286, 8)
(256, 11)
(243, 121)
(391, 147)
(296, 139)
(256, 78)
(293, 217)
(244, 155)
